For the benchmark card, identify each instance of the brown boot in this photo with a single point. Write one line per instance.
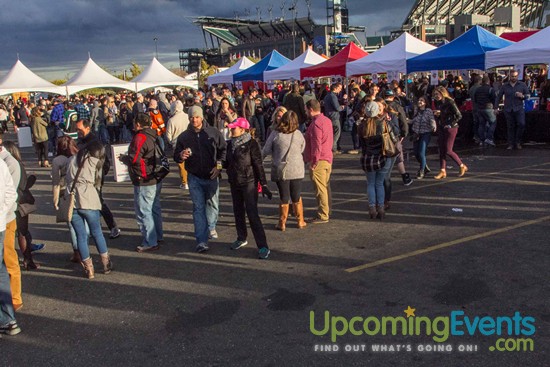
(75, 258)
(46, 164)
(283, 215)
(381, 214)
(88, 266)
(372, 212)
(442, 174)
(107, 264)
(299, 212)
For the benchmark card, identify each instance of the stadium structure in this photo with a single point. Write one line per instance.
(230, 38)
(433, 21)
(437, 20)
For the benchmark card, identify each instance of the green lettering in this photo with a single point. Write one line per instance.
(312, 324)
(334, 323)
(441, 333)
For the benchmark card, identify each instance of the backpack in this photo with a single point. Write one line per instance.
(162, 165)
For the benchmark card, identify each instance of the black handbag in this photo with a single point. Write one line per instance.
(26, 200)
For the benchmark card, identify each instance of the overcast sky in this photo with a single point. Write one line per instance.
(53, 38)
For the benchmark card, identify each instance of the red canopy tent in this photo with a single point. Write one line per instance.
(336, 65)
(517, 36)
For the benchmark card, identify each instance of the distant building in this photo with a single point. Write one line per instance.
(437, 20)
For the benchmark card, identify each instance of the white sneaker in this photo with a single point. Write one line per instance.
(213, 234)
(184, 186)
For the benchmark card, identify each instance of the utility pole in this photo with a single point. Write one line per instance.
(156, 48)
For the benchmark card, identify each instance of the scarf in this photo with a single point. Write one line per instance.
(240, 140)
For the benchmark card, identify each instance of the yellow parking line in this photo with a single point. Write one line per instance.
(447, 244)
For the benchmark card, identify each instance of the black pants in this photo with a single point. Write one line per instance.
(106, 212)
(245, 200)
(23, 227)
(290, 190)
(42, 151)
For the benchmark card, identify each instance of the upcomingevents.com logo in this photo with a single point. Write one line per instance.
(512, 330)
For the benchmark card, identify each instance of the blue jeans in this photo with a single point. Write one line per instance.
(487, 124)
(81, 217)
(420, 147)
(149, 213)
(516, 124)
(7, 314)
(103, 134)
(74, 241)
(375, 184)
(204, 195)
(260, 127)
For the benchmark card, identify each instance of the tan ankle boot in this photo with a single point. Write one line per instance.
(88, 266)
(283, 215)
(442, 174)
(299, 212)
(107, 264)
(463, 170)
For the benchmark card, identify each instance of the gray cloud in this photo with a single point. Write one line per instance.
(54, 38)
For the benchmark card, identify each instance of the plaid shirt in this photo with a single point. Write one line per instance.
(57, 114)
(82, 111)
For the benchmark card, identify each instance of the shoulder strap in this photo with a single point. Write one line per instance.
(80, 166)
(289, 145)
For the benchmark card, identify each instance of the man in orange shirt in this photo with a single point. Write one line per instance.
(157, 122)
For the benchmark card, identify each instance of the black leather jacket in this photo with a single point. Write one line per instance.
(450, 114)
(244, 165)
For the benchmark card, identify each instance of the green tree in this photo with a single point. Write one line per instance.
(135, 70)
(59, 81)
(205, 71)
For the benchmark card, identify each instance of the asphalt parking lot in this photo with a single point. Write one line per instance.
(477, 245)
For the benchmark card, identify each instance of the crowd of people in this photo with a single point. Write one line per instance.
(299, 126)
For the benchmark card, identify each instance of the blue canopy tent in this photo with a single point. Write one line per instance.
(256, 72)
(465, 52)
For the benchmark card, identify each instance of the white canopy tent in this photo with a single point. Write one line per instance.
(155, 75)
(92, 76)
(226, 76)
(534, 49)
(392, 57)
(292, 69)
(22, 79)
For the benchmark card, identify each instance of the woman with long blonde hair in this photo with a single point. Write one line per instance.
(447, 116)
